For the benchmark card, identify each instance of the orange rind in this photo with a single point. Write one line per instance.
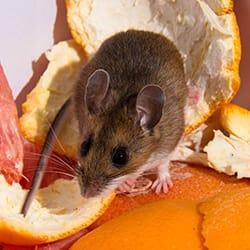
(158, 225)
(50, 218)
(211, 57)
(226, 220)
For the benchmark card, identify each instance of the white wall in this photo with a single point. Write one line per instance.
(26, 32)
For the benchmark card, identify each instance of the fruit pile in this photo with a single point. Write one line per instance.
(204, 209)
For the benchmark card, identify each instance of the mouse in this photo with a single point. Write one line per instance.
(129, 102)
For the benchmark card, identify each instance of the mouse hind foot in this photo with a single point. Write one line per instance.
(127, 185)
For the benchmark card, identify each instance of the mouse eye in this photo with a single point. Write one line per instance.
(120, 156)
(86, 145)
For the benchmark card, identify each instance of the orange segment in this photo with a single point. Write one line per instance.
(226, 221)
(153, 226)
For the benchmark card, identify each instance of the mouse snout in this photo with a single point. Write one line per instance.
(91, 187)
(89, 192)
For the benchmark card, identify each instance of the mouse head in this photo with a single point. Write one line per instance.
(117, 136)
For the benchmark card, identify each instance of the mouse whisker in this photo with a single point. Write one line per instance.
(57, 163)
(32, 169)
(52, 171)
(56, 157)
(55, 136)
(25, 178)
(53, 158)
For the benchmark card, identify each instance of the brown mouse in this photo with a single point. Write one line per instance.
(129, 103)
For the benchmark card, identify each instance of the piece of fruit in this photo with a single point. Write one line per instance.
(63, 244)
(50, 218)
(211, 56)
(229, 155)
(205, 32)
(226, 221)
(235, 120)
(11, 147)
(54, 87)
(195, 183)
(158, 225)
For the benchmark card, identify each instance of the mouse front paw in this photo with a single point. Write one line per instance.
(163, 183)
(127, 185)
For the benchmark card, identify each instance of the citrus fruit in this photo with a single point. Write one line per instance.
(211, 57)
(158, 225)
(194, 183)
(44, 101)
(235, 120)
(11, 148)
(50, 218)
(226, 220)
(205, 32)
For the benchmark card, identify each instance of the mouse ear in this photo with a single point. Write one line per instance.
(96, 90)
(149, 106)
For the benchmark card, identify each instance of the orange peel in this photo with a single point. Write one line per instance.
(50, 218)
(226, 220)
(235, 120)
(211, 61)
(152, 226)
(211, 54)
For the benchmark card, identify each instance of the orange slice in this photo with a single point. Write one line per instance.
(190, 183)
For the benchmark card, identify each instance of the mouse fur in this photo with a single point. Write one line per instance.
(133, 59)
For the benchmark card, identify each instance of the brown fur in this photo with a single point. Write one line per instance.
(133, 59)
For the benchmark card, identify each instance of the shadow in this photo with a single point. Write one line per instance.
(61, 30)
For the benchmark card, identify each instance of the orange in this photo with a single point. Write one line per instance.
(190, 183)
(226, 221)
(158, 225)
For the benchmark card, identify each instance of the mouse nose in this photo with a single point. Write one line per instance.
(89, 191)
